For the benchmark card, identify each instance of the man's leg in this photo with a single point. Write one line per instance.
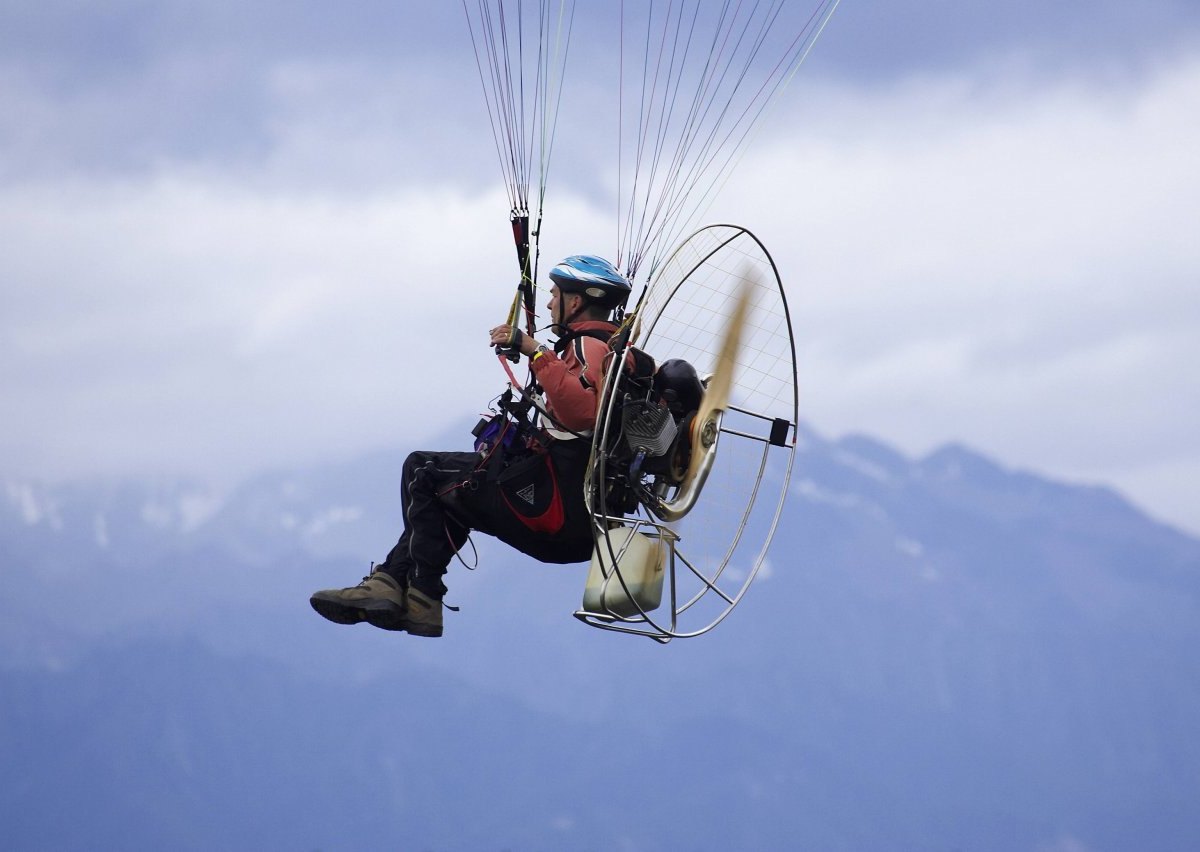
(433, 533)
(405, 592)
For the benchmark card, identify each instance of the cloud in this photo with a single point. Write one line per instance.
(289, 259)
(1009, 263)
(130, 89)
(174, 324)
(880, 40)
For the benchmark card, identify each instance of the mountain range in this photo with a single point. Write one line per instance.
(943, 654)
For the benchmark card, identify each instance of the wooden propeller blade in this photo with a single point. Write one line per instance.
(706, 425)
(716, 394)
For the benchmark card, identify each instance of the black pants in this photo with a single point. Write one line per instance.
(445, 497)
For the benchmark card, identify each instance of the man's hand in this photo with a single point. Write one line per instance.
(502, 334)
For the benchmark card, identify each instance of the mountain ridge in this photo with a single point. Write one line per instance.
(941, 653)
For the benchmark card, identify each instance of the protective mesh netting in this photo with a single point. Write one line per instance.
(685, 314)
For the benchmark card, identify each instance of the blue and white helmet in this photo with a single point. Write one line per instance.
(593, 277)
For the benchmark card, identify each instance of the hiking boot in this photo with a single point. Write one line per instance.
(379, 599)
(424, 616)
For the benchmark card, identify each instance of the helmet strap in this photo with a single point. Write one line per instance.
(584, 304)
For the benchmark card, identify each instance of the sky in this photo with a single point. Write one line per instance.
(238, 237)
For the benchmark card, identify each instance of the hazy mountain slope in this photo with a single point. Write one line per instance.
(942, 654)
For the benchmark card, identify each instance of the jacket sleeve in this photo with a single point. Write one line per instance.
(573, 386)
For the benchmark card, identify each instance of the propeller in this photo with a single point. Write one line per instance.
(706, 425)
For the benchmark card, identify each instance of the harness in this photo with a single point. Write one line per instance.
(643, 365)
(515, 449)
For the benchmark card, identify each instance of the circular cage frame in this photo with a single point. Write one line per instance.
(678, 567)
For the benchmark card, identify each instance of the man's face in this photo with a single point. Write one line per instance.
(560, 307)
(555, 298)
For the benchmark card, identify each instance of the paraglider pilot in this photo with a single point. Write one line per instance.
(525, 489)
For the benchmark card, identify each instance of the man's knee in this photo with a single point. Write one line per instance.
(439, 476)
(417, 460)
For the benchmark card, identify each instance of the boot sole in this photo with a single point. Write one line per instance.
(429, 631)
(387, 616)
(339, 612)
(383, 614)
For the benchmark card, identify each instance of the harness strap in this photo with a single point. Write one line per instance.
(581, 356)
(560, 345)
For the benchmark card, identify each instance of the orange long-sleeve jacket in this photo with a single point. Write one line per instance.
(572, 380)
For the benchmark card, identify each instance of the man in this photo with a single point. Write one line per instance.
(536, 503)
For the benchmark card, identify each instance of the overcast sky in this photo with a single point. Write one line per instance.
(237, 236)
